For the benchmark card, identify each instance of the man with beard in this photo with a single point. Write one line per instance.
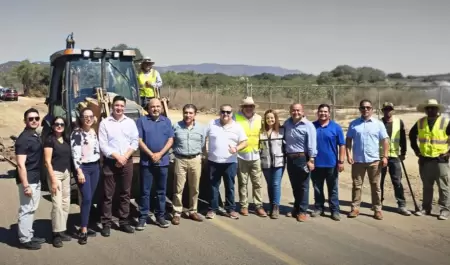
(28, 148)
(155, 140)
(149, 80)
(188, 144)
(432, 133)
(364, 136)
(226, 139)
(118, 139)
(329, 162)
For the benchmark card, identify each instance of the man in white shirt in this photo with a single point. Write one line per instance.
(225, 139)
(118, 139)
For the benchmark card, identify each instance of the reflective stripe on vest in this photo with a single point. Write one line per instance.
(394, 144)
(434, 142)
(142, 78)
(252, 131)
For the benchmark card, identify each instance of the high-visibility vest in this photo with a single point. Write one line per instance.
(394, 145)
(151, 78)
(252, 131)
(434, 142)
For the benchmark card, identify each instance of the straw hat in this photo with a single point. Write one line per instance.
(248, 101)
(430, 103)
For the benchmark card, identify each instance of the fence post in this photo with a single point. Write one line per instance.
(379, 103)
(190, 94)
(333, 102)
(169, 93)
(270, 97)
(441, 94)
(299, 89)
(215, 98)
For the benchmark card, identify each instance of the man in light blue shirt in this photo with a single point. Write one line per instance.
(301, 149)
(364, 136)
(187, 147)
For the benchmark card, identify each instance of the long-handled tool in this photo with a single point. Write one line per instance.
(417, 209)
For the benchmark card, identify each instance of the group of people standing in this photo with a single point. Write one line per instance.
(241, 144)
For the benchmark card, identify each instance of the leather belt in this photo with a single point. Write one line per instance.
(296, 155)
(187, 156)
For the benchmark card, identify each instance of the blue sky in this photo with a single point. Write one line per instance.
(312, 36)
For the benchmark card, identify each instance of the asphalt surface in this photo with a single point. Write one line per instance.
(249, 240)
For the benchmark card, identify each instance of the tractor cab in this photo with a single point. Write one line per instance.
(91, 78)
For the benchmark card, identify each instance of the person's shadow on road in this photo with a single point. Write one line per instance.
(10, 236)
(10, 174)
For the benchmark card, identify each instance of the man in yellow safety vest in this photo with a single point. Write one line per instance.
(149, 81)
(397, 152)
(249, 163)
(432, 134)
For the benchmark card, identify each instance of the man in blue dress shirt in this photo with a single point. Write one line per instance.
(364, 136)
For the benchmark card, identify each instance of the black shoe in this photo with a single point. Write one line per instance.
(30, 245)
(127, 229)
(65, 237)
(57, 240)
(82, 238)
(38, 240)
(91, 233)
(162, 222)
(141, 225)
(106, 231)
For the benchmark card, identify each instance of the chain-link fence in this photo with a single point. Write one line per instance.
(343, 99)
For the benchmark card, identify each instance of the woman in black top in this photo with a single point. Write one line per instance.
(57, 157)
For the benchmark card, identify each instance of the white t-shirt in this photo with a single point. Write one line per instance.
(220, 138)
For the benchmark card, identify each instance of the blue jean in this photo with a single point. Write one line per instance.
(273, 178)
(300, 183)
(228, 171)
(148, 174)
(91, 172)
(318, 177)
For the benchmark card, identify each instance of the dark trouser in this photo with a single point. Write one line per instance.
(122, 176)
(431, 171)
(91, 172)
(300, 183)
(159, 176)
(395, 171)
(318, 177)
(228, 171)
(273, 178)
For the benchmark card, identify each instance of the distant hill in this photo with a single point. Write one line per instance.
(231, 70)
(207, 68)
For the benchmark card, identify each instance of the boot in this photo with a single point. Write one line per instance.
(275, 212)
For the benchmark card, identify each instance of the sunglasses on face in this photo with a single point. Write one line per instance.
(59, 124)
(365, 108)
(30, 119)
(225, 111)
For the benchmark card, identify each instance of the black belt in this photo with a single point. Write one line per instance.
(187, 156)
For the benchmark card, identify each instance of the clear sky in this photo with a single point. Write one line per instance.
(409, 36)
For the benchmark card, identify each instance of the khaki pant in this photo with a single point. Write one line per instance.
(431, 171)
(373, 172)
(192, 170)
(60, 201)
(249, 170)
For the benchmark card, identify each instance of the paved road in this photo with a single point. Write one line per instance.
(249, 240)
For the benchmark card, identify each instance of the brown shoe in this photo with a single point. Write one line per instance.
(195, 217)
(244, 211)
(378, 215)
(260, 212)
(176, 220)
(354, 213)
(302, 217)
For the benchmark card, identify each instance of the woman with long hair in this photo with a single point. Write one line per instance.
(273, 160)
(57, 161)
(86, 157)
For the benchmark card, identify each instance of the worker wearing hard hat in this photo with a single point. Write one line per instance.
(149, 81)
(433, 152)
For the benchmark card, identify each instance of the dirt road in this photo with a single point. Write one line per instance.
(249, 240)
